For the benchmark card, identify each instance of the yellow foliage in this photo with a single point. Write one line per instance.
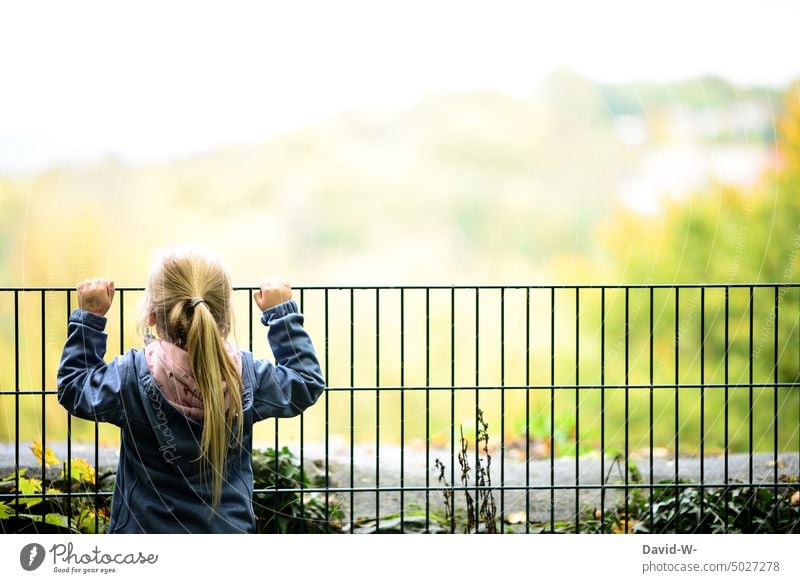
(50, 458)
(789, 143)
(82, 470)
(625, 526)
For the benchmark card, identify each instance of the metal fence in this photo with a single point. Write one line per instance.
(569, 404)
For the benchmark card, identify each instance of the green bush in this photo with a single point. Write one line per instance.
(735, 509)
(290, 512)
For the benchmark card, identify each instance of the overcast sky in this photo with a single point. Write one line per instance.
(146, 80)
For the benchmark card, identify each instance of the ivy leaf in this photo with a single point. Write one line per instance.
(50, 518)
(30, 486)
(85, 521)
(30, 501)
(50, 458)
(56, 519)
(5, 511)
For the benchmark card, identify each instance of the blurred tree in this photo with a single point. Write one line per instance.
(728, 235)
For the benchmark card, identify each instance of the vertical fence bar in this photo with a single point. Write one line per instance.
(701, 516)
(726, 438)
(677, 418)
(552, 407)
(302, 424)
(452, 407)
(96, 472)
(44, 410)
(352, 410)
(250, 345)
(577, 409)
(775, 416)
(751, 497)
(121, 351)
(652, 490)
(377, 409)
(602, 409)
(477, 407)
(69, 441)
(627, 404)
(527, 410)
(502, 404)
(250, 319)
(327, 419)
(16, 402)
(402, 408)
(277, 467)
(427, 409)
(121, 321)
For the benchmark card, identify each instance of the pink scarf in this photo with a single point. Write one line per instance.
(172, 370)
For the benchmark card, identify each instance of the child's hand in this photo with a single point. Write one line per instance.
(272, 293)
(95, 295)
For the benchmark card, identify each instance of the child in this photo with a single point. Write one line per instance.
(187, 402)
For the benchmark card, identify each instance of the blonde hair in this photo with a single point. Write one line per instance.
(200, 327)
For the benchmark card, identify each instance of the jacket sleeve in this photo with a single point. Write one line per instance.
(88, 387)
(295, 382)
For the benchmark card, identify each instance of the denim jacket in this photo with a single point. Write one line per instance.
(160, 486)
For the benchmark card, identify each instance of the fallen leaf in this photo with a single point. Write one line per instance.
(515, 518)
(772, 464)
(795, 501)
(625, 526)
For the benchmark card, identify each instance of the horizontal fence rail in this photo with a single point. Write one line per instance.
(507, 408)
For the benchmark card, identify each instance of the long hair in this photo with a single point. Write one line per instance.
(178, 277)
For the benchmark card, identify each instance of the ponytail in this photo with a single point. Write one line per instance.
(188, 295)
(211, 366)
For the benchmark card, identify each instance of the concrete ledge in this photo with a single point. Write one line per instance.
(365, 504)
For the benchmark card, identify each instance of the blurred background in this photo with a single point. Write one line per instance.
(410, 143)
(419, 143)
